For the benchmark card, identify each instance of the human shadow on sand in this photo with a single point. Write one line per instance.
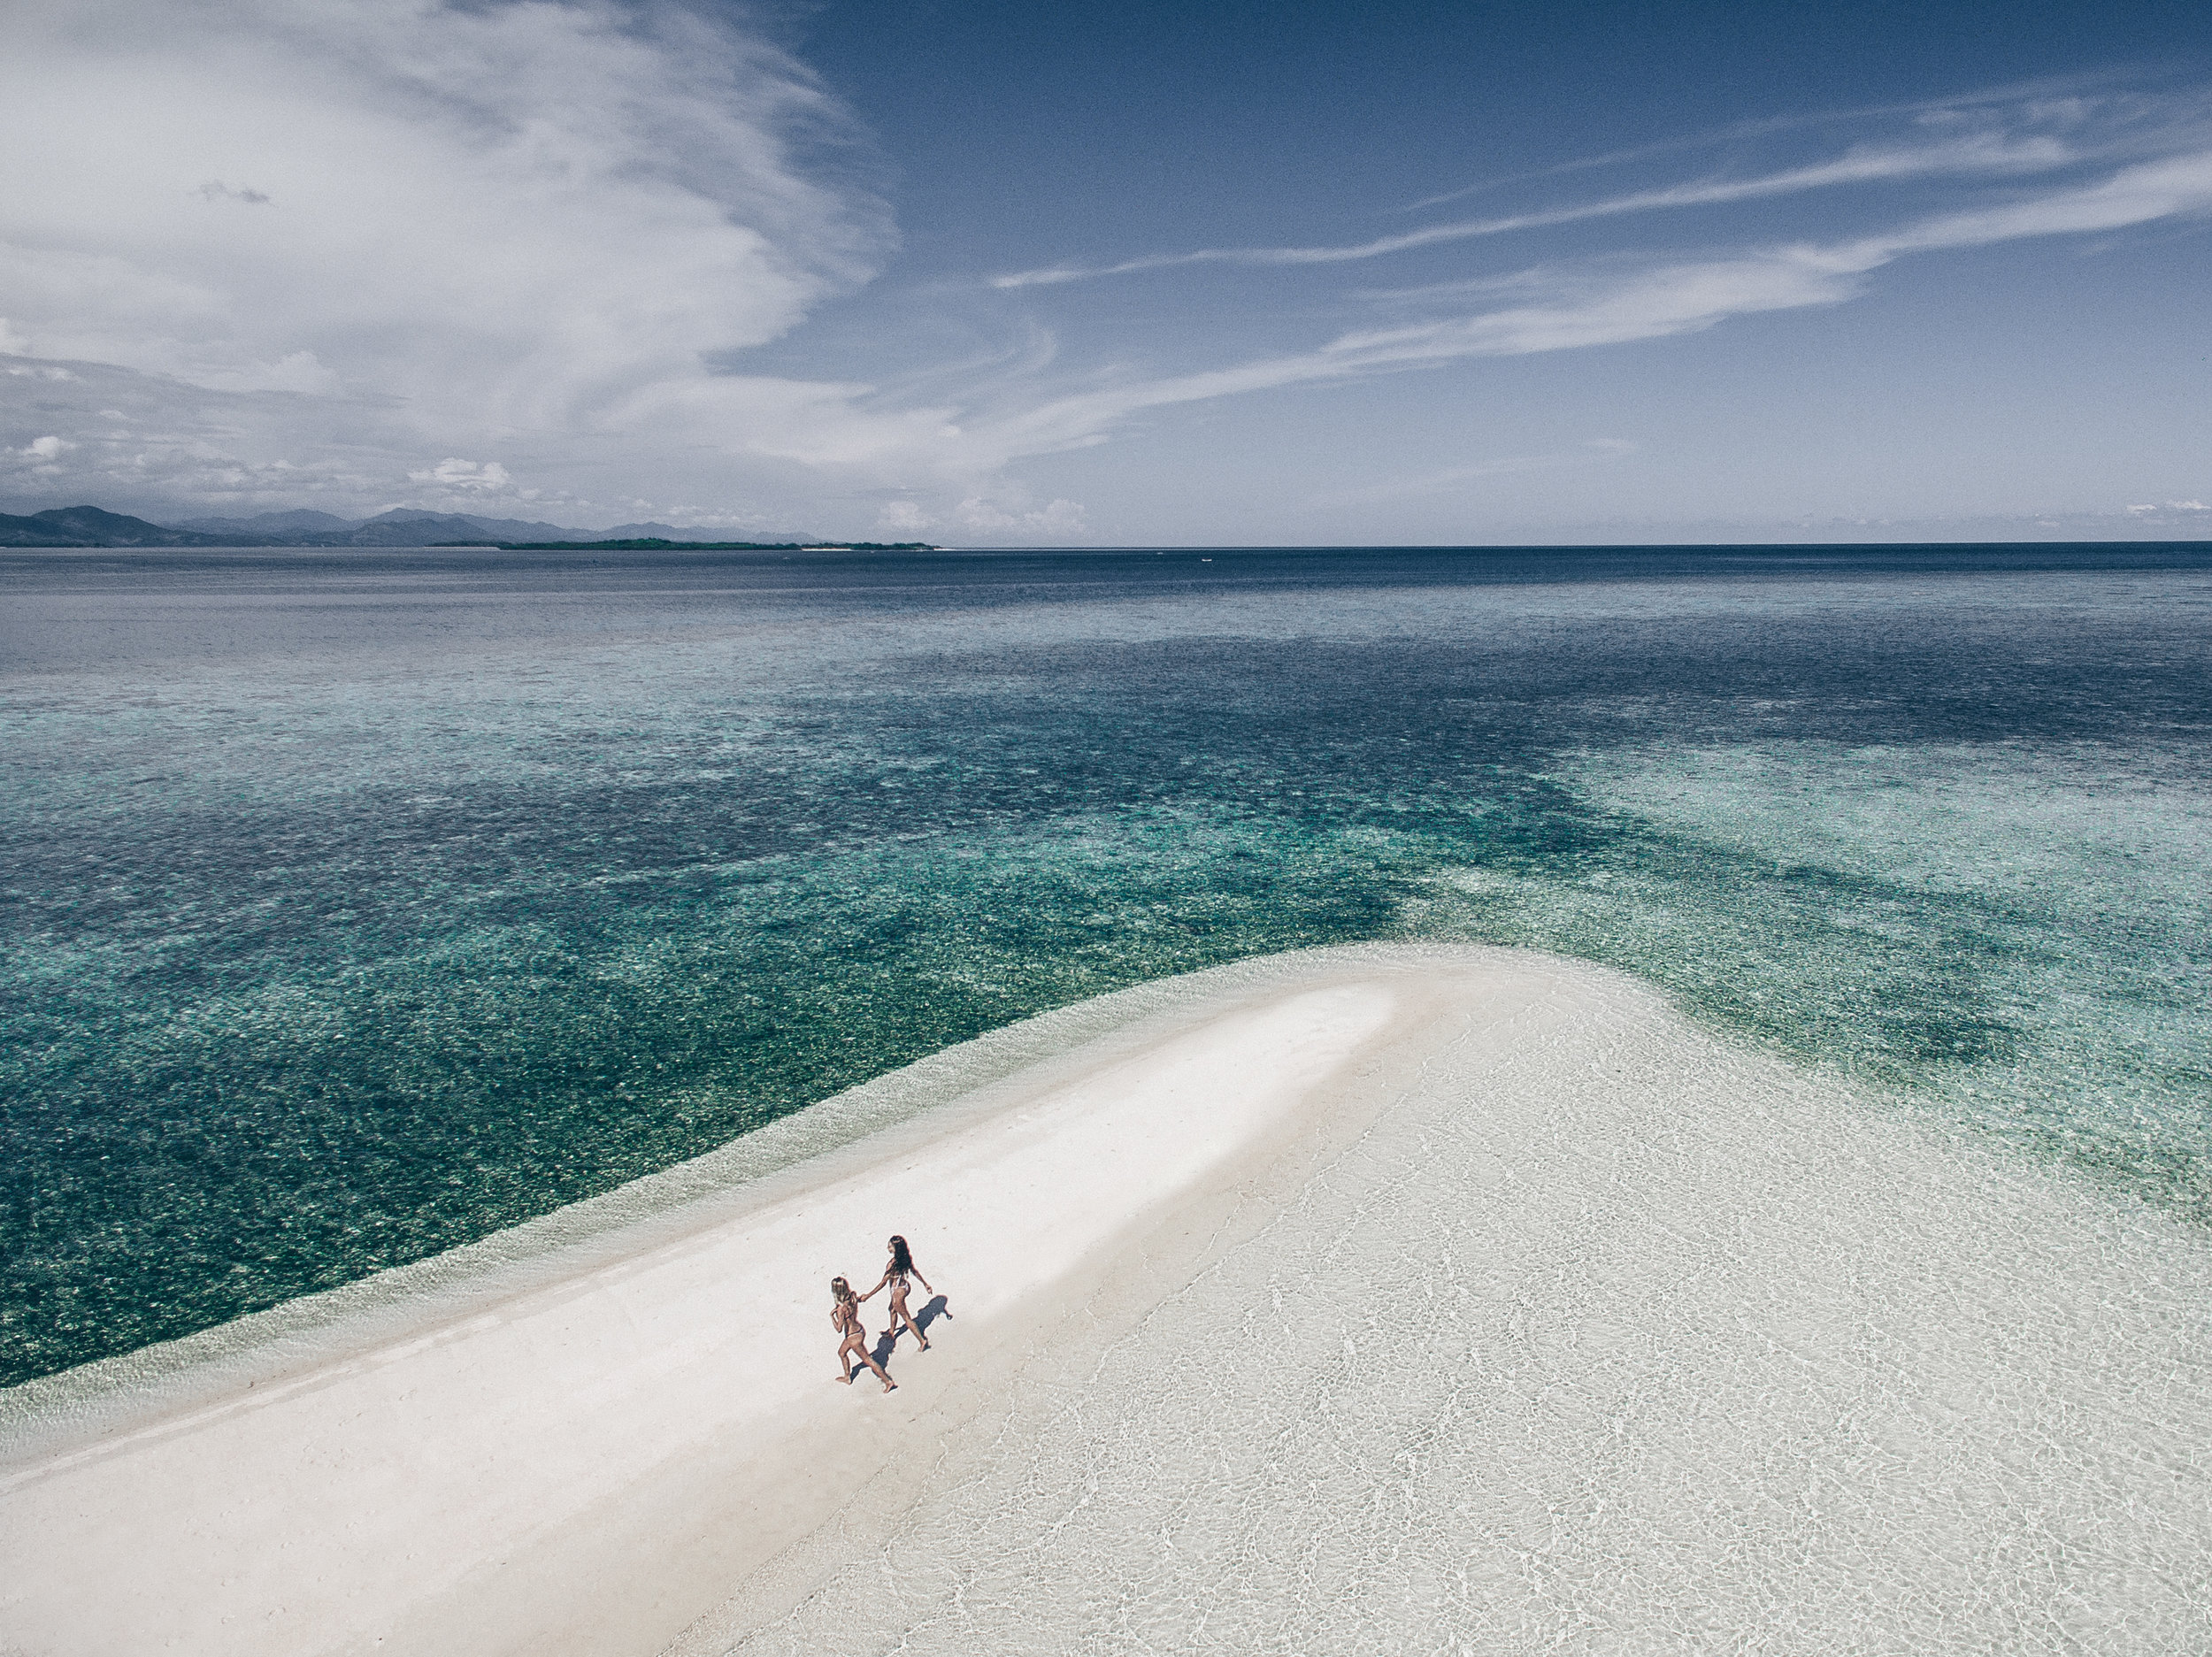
(889, 1339)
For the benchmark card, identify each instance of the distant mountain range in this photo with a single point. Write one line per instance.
(403, 527)
(89, 527)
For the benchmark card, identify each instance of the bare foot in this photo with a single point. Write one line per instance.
(847, 1379)
(890, 1386)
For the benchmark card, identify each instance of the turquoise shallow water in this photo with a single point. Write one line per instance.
(360, 905)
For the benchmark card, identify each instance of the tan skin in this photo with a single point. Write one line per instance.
(845, 1319)
(895, 1281)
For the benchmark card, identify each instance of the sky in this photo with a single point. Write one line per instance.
(1009, 275)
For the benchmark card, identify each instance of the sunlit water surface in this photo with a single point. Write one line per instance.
(359, 904)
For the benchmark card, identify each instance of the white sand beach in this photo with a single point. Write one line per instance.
(1368, 1299)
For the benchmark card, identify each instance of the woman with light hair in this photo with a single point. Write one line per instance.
(845, 1319)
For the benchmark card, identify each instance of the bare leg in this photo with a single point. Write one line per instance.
(844, 1362)
(901, 1316)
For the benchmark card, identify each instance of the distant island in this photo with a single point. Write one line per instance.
(656, 543)
(93, 526)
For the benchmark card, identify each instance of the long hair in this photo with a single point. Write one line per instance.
(901, 1261)
(840, 1291)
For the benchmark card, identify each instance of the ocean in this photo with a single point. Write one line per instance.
(361, 903)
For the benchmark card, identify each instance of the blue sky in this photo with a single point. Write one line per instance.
(1128, 275)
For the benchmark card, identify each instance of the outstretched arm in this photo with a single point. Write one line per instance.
(871, 1295)
(918, 1272)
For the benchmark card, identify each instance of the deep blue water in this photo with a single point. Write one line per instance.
(360, 903)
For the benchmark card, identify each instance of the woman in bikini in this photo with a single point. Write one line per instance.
(895, 1276)
(845, 1319)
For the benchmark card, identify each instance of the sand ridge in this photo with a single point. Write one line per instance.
(1354, 1299)
(406, 1487)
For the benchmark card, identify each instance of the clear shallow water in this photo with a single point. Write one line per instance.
(359, 905)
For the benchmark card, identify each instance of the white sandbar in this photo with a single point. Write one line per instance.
(1352, 1300)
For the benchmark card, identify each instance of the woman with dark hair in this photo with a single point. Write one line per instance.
(845, 1319)
(895, 1276)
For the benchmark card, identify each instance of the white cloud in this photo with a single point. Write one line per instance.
(1054, 521)
(457, 476)
(40, 460)
(904, 518)
(521, 216)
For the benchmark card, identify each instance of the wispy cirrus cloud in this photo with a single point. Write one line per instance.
(1982, 154)
(1965, 139)
(2063, 105)
(1605, 304)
